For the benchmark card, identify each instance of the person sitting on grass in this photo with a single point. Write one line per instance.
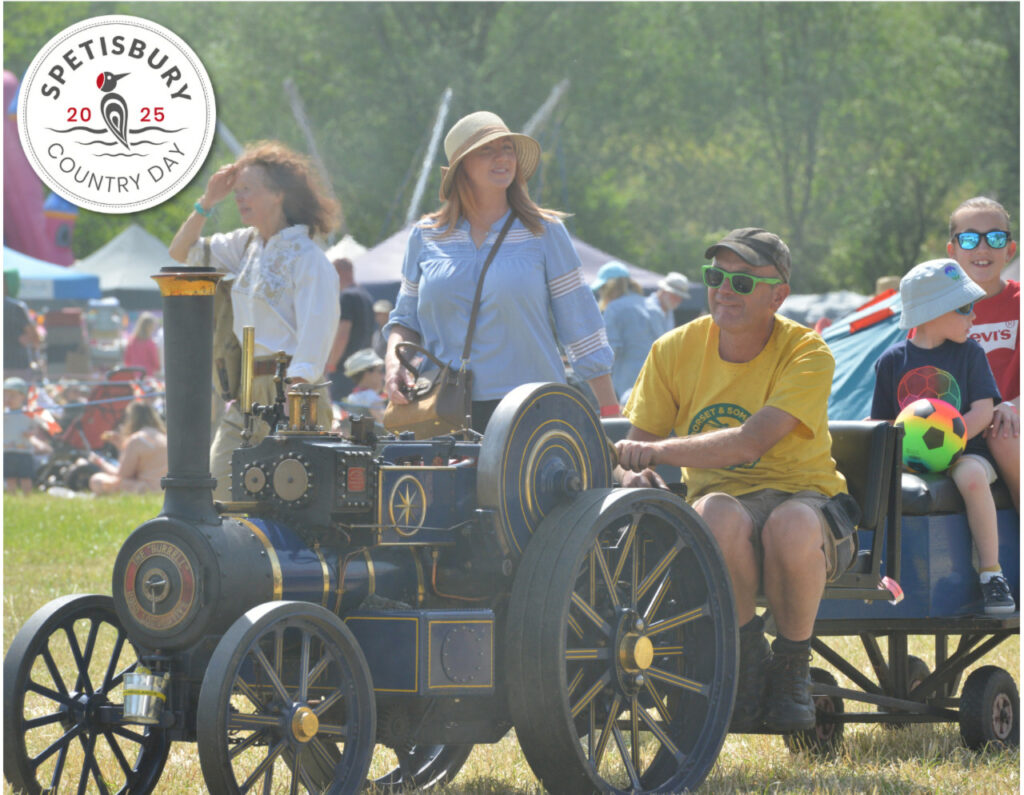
(143, 461)
(938, 303)
(24, 437)
(366, 370)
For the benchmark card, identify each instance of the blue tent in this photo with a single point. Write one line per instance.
(42, 281)
(857, 340)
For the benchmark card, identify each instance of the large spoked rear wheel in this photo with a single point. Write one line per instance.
(63, 691)
(622, 644)
(286, 702)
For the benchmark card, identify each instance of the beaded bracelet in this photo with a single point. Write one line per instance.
(202, 210)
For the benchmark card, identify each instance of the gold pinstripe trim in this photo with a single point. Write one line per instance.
(371, 576)
(327, 576)
(275, 563)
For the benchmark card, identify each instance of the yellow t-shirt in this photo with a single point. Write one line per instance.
(686, 387)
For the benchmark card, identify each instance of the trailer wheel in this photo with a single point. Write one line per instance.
(827, 736)
(421, 767)
(989, 709)
(917, 672)
(287, 699)
(63, 689)
(622, 644)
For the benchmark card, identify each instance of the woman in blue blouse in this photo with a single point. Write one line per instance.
(534, 294)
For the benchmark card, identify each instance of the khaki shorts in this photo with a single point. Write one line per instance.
(759, 506)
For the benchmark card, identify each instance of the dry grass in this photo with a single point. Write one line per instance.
(54, 547)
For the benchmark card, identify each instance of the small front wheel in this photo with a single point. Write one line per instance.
(827, 735)
(989, 705)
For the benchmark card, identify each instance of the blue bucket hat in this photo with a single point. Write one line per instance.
(607, 272)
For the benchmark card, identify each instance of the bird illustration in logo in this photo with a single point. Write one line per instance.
(113, 108)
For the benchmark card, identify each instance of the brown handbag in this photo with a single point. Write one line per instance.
(441, 402)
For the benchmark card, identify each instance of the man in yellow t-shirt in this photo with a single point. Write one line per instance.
(745, 391)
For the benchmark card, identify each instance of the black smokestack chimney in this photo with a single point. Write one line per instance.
(188, 362)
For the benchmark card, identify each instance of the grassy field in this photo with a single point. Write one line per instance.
(54, 547)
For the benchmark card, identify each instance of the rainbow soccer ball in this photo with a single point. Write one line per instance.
(934, 435)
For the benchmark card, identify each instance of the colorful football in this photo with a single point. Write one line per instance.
(934, 435)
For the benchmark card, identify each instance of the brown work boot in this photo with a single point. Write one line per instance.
(754, 656)
(790, 706)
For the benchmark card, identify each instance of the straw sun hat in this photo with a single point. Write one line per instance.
(473, 131)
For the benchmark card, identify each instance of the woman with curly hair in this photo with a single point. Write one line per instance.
(283, 284)
(534, 296)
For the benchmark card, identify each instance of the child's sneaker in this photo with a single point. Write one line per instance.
(996, 593)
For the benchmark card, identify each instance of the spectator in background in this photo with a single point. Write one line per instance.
(981, 243)
(366, 370)
(671, 292)
(141, 350)
(143, 460)
(20, 335)
(24, 437)
(355, 329)
(886, 283)
(632, 326)
(381, 311)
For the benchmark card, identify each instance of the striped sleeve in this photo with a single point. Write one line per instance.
(406, 311)
(578, 323)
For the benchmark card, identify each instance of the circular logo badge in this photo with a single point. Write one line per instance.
(116, 114)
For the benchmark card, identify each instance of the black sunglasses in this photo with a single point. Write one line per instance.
(742, 283)
(996, 238)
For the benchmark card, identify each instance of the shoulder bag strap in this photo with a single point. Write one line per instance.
(480, 287)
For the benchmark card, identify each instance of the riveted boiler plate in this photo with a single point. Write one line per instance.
(290, 480)
(254, 480)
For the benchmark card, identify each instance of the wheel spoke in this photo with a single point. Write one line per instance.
(577, 655)
(634, 732)
(90, 647)
(271, 672)
(634, 573)
(328, 702)
(60, 698)
(249, 691)
(128, 734)
(678, 681)
(663, 738)
(61, 743)
(625, 756)
(597, 555)
(58, 768)
(668, 651)
(317, 670)
(293, 788)
(239, 720)
(58, 680)
(574, 625)
(654, 574)
(45, 720)
(659, 705)
(606, 731)
(115, 749)
(587, 697)
(677, 621)
(82, 683)
(591, 614)
(303, 669)
(664, 585)
(575, 682)
(115, 655)
(247, 743)
(627, 542)
(333, 730)
(263, 767)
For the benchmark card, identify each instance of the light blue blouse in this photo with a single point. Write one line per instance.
(632, 329)
(534, 297)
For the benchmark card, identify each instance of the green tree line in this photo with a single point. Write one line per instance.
(851, 129)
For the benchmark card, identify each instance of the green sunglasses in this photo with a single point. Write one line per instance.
(742, 283)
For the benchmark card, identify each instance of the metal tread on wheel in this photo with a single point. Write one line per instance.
(622, 644)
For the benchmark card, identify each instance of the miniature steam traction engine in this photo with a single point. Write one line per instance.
(361, 593)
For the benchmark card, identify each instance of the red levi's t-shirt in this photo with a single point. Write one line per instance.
(997, 329)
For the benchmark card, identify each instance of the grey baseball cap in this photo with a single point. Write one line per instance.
(758, 247)
(932, 289)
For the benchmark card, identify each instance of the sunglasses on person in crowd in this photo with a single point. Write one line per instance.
(996, 238)
(742, 283)
(966, 309)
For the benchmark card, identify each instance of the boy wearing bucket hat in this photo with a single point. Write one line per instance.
(365, 369)
(23, 436)
(535, 274)
(745, 391)
(938, 303)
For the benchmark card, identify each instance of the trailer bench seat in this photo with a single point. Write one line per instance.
(933, 494)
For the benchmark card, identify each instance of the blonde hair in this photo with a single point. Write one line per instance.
(460, 202)
(306, 199)
(144, 327)
(139, 415)
(978, 203)
(616, 288)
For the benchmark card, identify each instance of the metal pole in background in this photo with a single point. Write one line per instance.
(300, 117)
(544, 111)
(428, 157)
(229, 139)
